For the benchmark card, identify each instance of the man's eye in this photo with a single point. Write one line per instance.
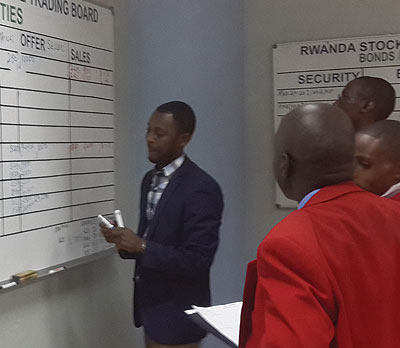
(365, 164)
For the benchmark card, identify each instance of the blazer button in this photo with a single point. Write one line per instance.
(137, 278)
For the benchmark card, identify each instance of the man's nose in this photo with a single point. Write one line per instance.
(149, 138)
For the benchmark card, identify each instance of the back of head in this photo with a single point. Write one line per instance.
(314, 148)
(184, 117)
(381, 93)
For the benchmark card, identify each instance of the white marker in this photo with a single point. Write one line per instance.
(8, 285)
(105, 221)
(118, 218)
(55, 270)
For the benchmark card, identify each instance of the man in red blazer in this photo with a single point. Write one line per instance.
(328, 275)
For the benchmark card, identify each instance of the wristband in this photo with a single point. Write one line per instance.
(143, 247)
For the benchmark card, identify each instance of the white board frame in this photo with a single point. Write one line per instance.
(316, 71)
(36, 44)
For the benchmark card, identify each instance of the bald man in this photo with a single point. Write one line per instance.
(367, 100)
(327, 275)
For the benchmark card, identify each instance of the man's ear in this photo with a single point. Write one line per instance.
(285, 165)
(185, 138)
(367, 106)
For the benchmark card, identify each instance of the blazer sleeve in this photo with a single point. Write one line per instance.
(201, 222)
(294, 303)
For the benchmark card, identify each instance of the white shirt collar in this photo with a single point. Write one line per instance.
(394, 190)
(170, 168)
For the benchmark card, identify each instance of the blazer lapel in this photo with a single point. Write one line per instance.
(143, 204)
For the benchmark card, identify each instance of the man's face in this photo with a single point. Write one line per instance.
(349, 102)
(164, 142)
(373, 169)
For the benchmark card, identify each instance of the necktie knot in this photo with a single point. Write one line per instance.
(157, 177)
(158, 173)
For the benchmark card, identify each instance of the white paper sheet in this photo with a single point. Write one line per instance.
(224, 318)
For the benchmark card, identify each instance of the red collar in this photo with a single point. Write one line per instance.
(330, 192)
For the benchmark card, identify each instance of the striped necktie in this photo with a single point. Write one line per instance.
(154, 194)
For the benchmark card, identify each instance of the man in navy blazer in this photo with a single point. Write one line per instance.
(180, 215)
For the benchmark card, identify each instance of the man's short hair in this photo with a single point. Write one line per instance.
(184, 117)
(381, 92)
(388, 133)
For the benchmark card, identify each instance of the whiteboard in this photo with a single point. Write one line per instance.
(57, 132)
(317, 71)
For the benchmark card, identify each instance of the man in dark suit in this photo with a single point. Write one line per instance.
(180, 215)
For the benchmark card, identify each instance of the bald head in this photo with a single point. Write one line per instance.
(314, 147)
(367, 100)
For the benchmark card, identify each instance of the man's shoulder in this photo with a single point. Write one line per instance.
(327, 210)
(195, 173)
(357, 205)
(296, 221)
(358, 209)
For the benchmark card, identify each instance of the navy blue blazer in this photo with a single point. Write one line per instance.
(182, 239)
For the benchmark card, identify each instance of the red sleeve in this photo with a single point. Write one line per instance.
(294, 305)
(248, 303)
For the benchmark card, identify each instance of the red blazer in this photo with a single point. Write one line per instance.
(328, 275)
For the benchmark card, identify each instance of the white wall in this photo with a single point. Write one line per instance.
(164, 50)
(190, 51)
(267, 23)
(216, 55)
(82, 307)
